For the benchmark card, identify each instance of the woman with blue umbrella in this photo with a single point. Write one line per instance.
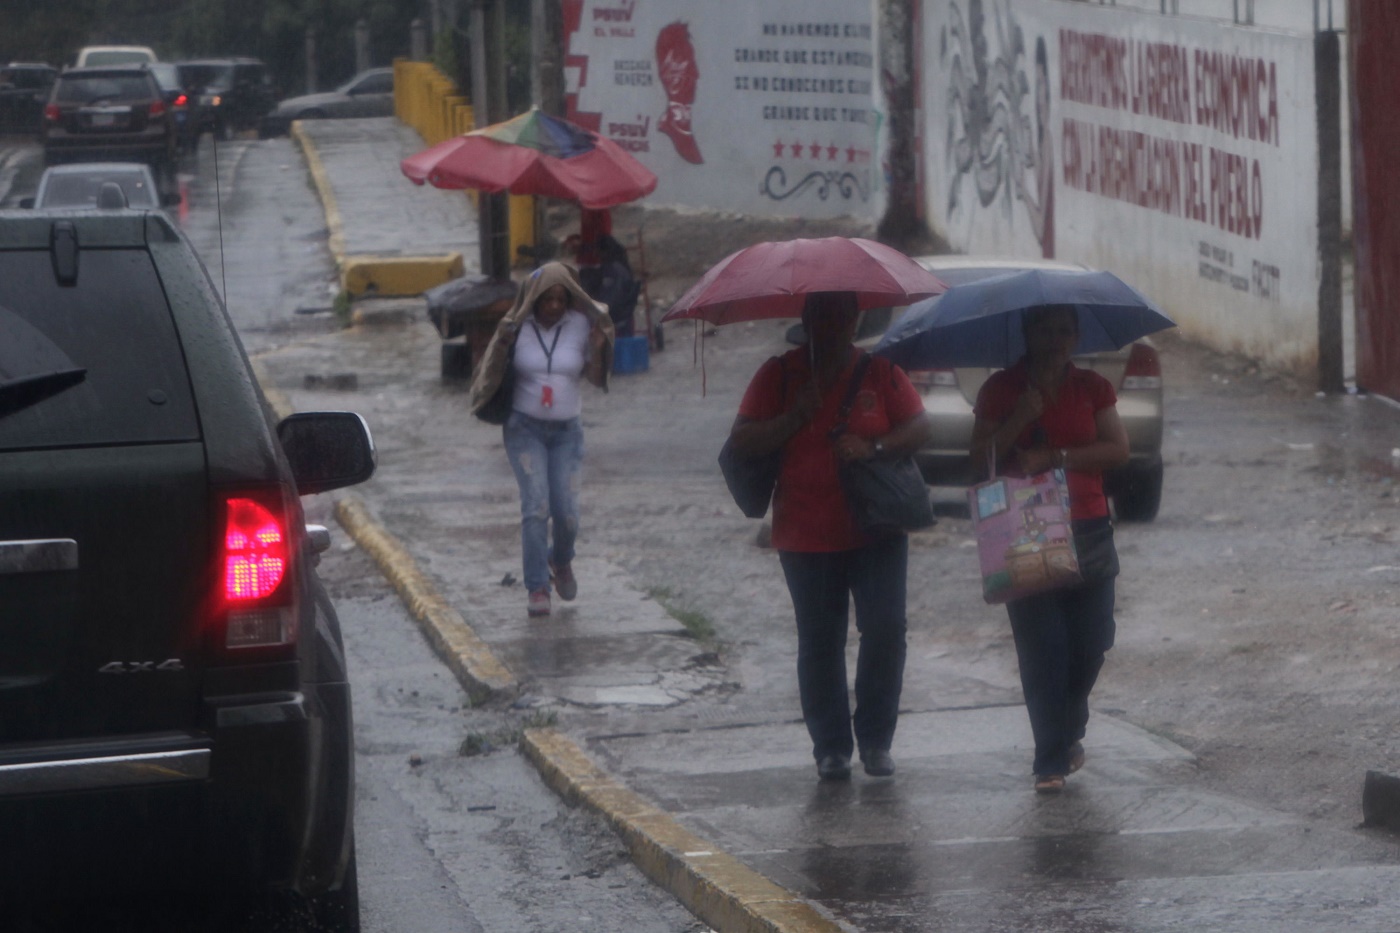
(1040, 414)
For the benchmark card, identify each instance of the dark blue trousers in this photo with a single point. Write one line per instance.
(822, 585)
(1061, 638)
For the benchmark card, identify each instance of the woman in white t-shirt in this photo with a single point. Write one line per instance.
(559, 336)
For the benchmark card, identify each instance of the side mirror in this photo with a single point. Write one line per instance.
(26, 202)
(327, 449)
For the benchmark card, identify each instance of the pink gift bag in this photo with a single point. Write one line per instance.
(1024, 541)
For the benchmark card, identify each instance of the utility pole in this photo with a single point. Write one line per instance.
(903, 222)
(546, 47)
(488, 95)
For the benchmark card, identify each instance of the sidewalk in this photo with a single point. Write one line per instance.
(718, 803)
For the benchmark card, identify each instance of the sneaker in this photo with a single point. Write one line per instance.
(834, 768)
(564, 583)
(1049, 783)
(539, 603)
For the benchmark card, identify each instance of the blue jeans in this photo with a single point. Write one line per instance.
(822, 584)
(1061, 638)
(546, 457)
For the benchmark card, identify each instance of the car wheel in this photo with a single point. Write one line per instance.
(1138, 494)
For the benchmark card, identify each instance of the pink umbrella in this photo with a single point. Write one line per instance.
(537, 154)
(772, 280)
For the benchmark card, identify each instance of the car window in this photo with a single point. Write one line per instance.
(115, 57)
(94, 88)
(137, 388)
(26, 78)
(166, 75)
(70, 190)
(374, 84)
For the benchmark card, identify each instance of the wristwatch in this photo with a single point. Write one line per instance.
(879, 449)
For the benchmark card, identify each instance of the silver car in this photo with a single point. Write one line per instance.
(369, 94)
(1135, 371)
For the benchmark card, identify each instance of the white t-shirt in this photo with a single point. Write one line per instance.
(548, 364)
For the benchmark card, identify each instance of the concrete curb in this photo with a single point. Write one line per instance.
(368, 274)
(716, 887)
(478, 670)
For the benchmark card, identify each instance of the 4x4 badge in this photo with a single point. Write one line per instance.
(141, 667)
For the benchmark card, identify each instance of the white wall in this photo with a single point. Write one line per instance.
(782, 115)
(1144, 173)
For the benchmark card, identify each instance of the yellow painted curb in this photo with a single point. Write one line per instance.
(717, 888)
(398, 275)
(478, 670)
(361, 274)
(323, 188)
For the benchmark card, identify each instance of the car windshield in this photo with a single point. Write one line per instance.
(80, 190)
(208, 75)
(166, 75)
(90, 88)
(28, 78)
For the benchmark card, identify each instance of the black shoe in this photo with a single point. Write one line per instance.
(834, 768)
(878, 762)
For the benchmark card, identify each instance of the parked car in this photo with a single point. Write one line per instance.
(76, 186)
(115, 113)
(232, 94)
(1135, 371)
(175, 720)
(177, 99)
(94, 55)
(369, 94)
(24, 89)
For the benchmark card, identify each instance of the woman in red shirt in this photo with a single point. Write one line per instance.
(794, 402)
(1043, 413)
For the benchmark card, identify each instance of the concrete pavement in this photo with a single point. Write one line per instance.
(723, 809)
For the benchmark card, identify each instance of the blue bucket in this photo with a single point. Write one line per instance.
(630, 355)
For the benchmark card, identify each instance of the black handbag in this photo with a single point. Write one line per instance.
(502, 402)
(751, 480)
(885, 496)
(1093, 544)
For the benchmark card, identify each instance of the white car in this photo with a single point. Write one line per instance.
(78, 186)
(92, 56)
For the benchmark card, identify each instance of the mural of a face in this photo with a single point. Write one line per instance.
(675, 58)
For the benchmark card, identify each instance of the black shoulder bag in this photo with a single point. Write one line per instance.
(751, 480)
(885, 496)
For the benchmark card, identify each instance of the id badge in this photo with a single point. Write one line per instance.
(547, 397)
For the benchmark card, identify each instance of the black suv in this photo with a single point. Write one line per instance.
(231, 94)
(24, 89)
(174, 710)
(104, 114)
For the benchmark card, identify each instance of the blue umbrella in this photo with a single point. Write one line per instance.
(979, 324)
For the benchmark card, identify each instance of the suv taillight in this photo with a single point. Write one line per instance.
(182, 100)
(257, 551)
(1144, 370)
(52, 113)
(157, 108)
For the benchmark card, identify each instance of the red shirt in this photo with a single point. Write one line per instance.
(1068, 422)
(809, 508)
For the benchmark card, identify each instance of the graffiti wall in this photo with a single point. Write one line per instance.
(759, 106)
(1178, 153)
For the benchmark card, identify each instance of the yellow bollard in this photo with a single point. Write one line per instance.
(522, 226)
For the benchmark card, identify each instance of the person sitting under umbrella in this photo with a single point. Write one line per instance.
(1040, 414)
(794, 403)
